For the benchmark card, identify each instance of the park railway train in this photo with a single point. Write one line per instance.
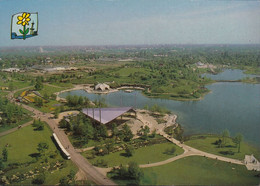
(64, 151)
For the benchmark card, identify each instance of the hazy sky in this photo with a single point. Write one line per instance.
(119, 22)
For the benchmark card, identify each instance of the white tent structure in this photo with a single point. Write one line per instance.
(105, 115)
(102, 87)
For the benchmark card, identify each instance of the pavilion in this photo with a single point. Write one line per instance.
(106, 115)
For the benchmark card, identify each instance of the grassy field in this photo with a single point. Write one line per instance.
(207, 145)
(144, 155)
(23, 143)
(50, 89)
(7, 127)
(199, 171)
(15, 84)
(90, 143)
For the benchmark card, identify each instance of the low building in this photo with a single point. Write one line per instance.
(199, 63)
(11, 70)
(252, 163)
(102, 87)
(4, 88)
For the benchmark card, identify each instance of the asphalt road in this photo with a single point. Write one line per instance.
(90, 171)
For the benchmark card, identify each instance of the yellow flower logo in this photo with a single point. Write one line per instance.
(24, 19)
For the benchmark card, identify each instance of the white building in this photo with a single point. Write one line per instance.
(102, 87)
(11, 70)
(252, 163)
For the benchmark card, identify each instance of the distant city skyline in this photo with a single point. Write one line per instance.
(135, 22)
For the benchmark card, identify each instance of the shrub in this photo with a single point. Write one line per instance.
(39, 179)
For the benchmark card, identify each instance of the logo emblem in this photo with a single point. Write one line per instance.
(24, 25)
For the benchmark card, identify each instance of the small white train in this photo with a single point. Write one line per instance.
(64, 151)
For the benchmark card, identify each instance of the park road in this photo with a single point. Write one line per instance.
(90, 172)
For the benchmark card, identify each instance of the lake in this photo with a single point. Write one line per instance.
(232, 106)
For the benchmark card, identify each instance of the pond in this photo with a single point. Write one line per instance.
(232, 106)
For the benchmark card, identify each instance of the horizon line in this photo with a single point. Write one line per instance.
(124, 45)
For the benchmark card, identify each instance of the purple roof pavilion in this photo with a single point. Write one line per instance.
(107, 114)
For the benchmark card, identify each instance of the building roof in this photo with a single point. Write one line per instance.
(107, 114)
(101, 86)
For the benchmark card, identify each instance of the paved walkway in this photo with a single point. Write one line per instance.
(188, 151)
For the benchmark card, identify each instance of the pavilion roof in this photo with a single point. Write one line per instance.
(107, 114)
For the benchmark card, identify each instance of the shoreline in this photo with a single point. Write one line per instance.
(86, 88)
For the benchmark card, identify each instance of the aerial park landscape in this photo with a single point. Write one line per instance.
(129, 114)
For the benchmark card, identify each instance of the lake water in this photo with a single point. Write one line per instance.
(229, 74)
(232, 106)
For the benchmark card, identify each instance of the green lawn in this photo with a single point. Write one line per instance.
(24, 142)
(199, 171)
(208, 146)
(2, 94)
(90, 143)
(144, 155)
(50, 89)
(125, 72)
(65, 85)
(15, 84)
(7, 127)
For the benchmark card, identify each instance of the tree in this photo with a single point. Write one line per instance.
(129, 151)
(64, 181)
(145, 130)
(56, 112)
(237, 140)
(225, 135)
(170, 151)
(114, 130)
(102, 130)
(38, 124)
(134, 171)
(127, 133)
(153, 133)
(5, 154)
(71, 176)
(122, 172)
(39, 179)
(42, 147)
(1, 164)
(38, 101)
(80, 100)
(38, 85)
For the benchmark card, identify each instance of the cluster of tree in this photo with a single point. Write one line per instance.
(38, 124)
(228, 54)
(77, 101)
(170, 151)
(144, 131)
(10, 113)
(5, 154)
(39, 85)
(39, 180)
(130, 172)
(84, 129)
(69, 179)
(225, 136)
(175, 132)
